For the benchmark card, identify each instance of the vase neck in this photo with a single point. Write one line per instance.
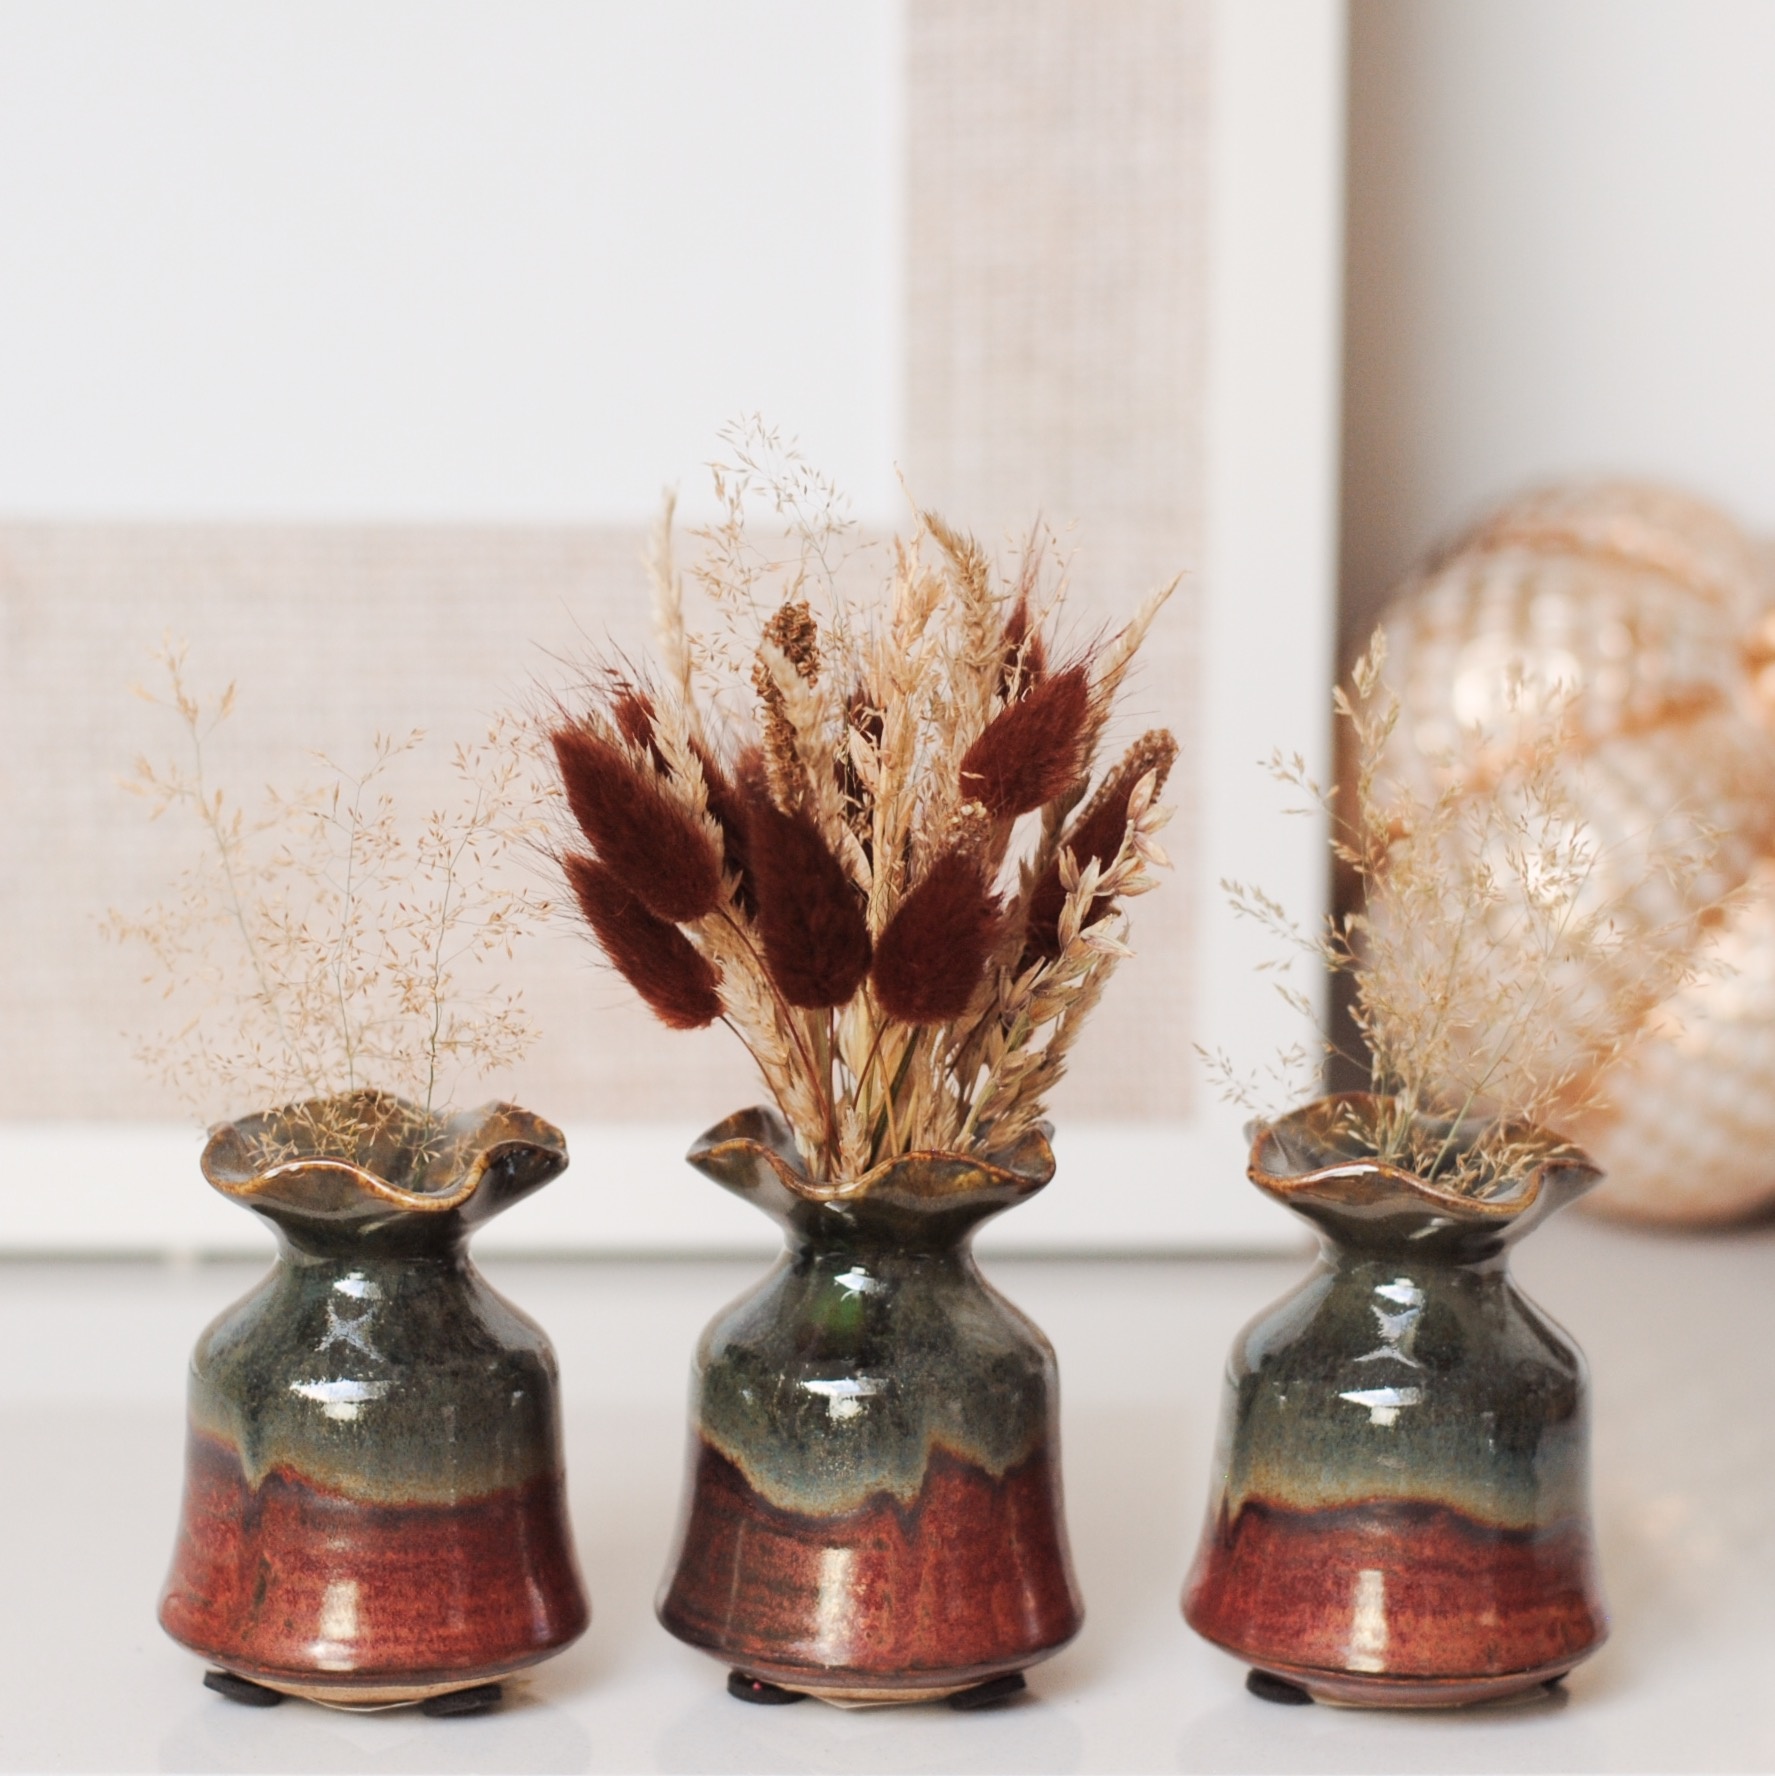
(818, 1244)
(1381, 1263)
(405, 1240)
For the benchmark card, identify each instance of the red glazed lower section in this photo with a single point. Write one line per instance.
(1392, 1589)
(292, 1581)
(969, 1580)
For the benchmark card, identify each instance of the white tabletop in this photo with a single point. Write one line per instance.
(1681, 1337)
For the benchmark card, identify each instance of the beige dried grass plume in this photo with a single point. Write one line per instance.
(911, 925)
(319, 945)
(1500, 957)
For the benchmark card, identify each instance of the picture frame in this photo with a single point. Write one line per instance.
(1259, 262)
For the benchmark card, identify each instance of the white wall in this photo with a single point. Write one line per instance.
(1561, 258)
(311, 259)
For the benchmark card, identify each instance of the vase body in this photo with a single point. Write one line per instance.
(375, 1505)
(873, 1508)
(1399, 1513)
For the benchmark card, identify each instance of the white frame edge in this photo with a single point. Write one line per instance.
(1277, 89)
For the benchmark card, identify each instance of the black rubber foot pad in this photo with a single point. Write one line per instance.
(476, 1701)
(755, 1689)
(241, 1689)
(994, 1690)
(1267, 1687)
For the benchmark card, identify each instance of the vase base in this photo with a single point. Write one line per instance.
(478, 1699)
(451, 1696)
(989, 1694)
(242, 1690)
(755, 1690)
(1266, 1686)
(1353, 1689)
(963, 1696)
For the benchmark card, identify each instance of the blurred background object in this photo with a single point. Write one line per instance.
(1560, 272)
(1643, 607)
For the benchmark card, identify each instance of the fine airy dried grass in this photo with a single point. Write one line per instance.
(318, 945)
(1500, 958)
(909, 926)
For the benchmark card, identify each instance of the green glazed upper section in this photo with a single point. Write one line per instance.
(397, 1381)
(1408, 1365)
(374, 1359)
(875, 1337)
(1392, 1379)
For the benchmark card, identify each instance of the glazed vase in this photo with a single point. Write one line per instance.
(1399, 1514)
(374, 1506)
(873, 1507)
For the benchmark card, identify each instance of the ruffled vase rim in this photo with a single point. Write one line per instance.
(937, 1174)
(1556, 1158)
(481, 1137)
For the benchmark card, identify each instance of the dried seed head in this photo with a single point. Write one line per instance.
(783, 759)
(655, 847)
(810, 918)
(861, 713)
(727, 809)
(968, 830)
(678, 984)
(1024, 663)
(632, 710)
(931, 958)
(779, 736)
(1095, 837)
(795, 632)
(1029, 752)
(863, 727)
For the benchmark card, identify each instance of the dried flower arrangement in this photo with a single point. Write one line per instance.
(866, 839)
(1500, 954)
(319, 954)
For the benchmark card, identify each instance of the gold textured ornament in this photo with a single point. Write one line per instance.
(1649, 611)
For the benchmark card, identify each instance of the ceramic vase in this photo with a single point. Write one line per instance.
(374, 1503)
(1399, 1513)
(873, 1508)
